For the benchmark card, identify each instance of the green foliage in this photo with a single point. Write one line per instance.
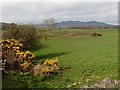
(26, 34)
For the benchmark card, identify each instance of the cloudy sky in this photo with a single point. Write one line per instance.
(37, 12)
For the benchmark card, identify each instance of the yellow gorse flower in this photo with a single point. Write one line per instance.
(25, 66)
(25, 58)
(10, 44)
(51, 62)
(50, 66)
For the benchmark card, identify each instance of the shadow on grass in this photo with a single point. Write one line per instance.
(39, 48)
(51, 55)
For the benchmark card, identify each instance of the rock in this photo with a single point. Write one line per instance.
(106, 83)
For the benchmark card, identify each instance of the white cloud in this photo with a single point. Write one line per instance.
(36, 12)
(59, 0)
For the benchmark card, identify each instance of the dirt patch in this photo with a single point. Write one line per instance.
(73, 34)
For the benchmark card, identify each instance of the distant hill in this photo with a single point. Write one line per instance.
(73, 24)
(70, 24)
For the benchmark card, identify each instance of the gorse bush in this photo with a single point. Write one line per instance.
(16, 58)
(9, 49)
(26, 66)
(26, 34)
(10, 44)
(25, 59)
(48, 67)
(25, 56)
(96, 34)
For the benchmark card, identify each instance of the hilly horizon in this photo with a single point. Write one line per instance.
(69, 24)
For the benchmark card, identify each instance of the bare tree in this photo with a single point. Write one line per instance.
(50, 24)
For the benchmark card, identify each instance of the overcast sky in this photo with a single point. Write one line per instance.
(36, 12)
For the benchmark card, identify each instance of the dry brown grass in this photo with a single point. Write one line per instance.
(73, 34)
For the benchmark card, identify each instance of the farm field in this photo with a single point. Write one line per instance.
(84, 59)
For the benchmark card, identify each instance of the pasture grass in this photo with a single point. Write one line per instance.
(89, 59)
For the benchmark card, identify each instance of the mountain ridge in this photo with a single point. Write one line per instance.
(75, 24)
(70, 24)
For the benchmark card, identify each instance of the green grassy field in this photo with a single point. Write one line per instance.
(89, 59)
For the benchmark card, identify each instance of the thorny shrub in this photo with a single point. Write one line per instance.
(14, 56)
(48, 67)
